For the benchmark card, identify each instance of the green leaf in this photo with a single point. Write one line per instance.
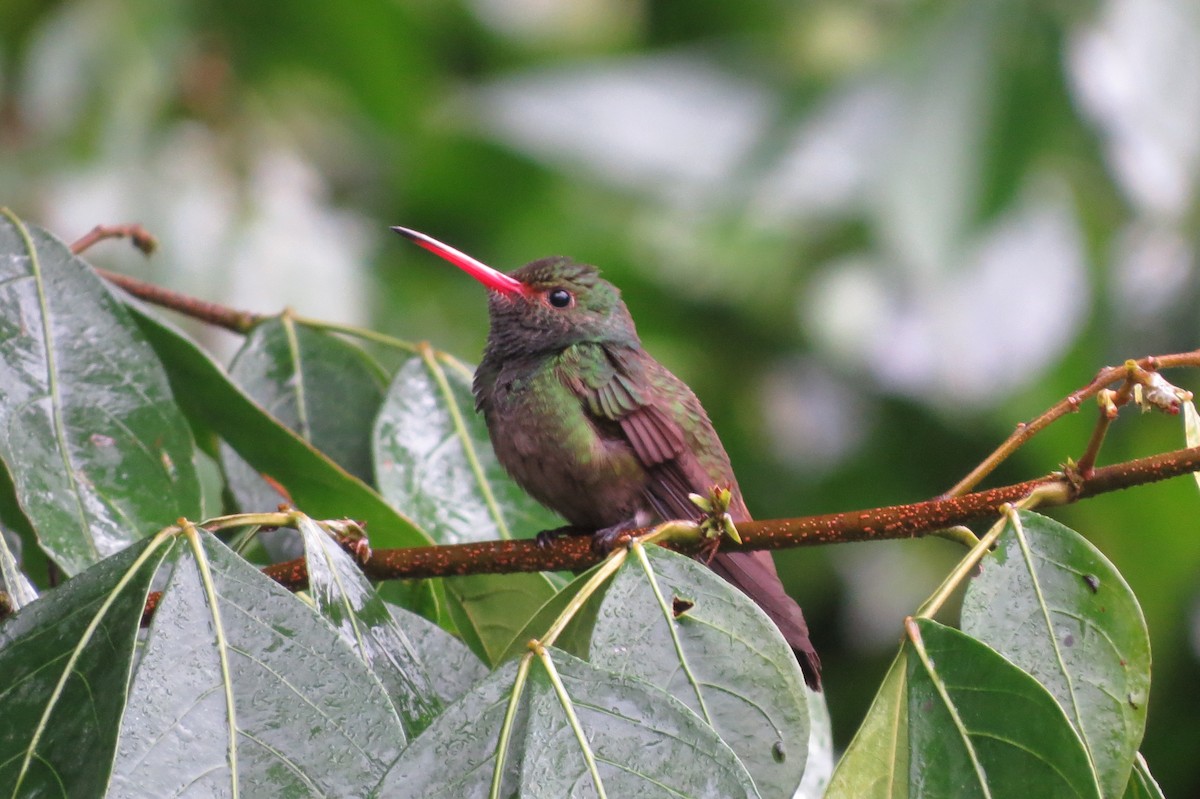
(1141, 783)
(98, 452)
(670, 621)
(13, 583)
(1191, 429)
(457, 668)
(241, 684)
(454, 758)
(644, 742)
(875, 764)
(433, 458)
(66, 659)
(818, 767)
(321, 386)
(979, 726)
(640, 738)
(1052, 604)
(489, 610)
(576, 637)
(348, 601)
(316, 484)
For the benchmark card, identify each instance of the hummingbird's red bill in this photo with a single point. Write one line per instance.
(494, 279)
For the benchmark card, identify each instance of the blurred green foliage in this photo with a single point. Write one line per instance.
(872, 236)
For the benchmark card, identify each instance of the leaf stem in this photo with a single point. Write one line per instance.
(506, 726)
(564, 699)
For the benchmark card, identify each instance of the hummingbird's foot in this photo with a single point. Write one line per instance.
(607, 539)
(546, 538)
(708, 550)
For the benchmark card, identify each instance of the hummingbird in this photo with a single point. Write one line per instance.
(593, 427)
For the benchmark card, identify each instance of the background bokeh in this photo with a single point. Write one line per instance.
(872, 236)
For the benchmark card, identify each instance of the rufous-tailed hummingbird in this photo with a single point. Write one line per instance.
(597, 430)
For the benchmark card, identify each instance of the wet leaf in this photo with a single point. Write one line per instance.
(240, 682)
(348, 601)
(645, 742)
(1052, 604)
(98, 451)
(316, 484)
(979, 726)
(321, 386)
(434, 460)
(457, 668)
(13, 582)
(723, 658)
(489, 610)
(455, 757)
(66, 659)
(875, 764)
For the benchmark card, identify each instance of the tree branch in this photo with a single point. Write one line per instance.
(894, 522)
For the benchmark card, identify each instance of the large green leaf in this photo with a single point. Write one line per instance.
(242, 688)
(576, 636)
(457, 668)
(1052, 604)
(65, 661)
(319, 385)
(455, 757)
(979, 726)
(348, 601)
(98, 451)
(670, 621)
(643, 742)
(316, 484)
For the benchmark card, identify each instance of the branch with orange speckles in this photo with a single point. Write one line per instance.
(894, 522)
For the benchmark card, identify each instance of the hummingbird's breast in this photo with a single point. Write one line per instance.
(560, 455)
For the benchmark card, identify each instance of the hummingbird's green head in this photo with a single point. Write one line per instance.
(546, 305)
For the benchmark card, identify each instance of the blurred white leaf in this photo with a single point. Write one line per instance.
(827, 168)
(970, 337)
(673, 126)
(928, 193)
(1136, 72)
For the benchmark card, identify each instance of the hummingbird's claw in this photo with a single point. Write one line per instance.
(607, 539)
(546, 538)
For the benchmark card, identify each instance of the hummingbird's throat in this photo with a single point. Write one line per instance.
(493, 279)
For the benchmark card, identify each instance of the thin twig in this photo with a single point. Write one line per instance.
(138, 235)
(1070, 404)
(211, 313)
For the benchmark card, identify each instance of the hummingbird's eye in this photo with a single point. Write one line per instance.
(559, 298)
